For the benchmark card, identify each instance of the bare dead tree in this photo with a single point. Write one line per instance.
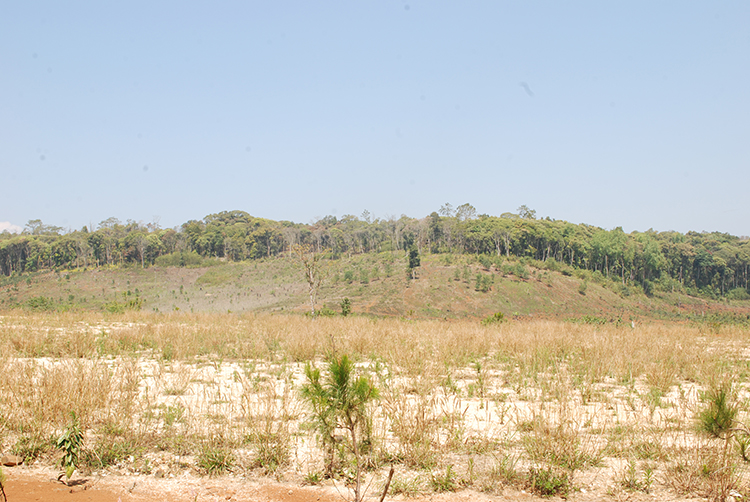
(314, 270)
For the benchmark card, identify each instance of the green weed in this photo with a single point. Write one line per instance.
(214, 460)
(444, 482)
(635, 480)
(548, 482)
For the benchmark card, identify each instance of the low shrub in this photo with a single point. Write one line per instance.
(583, 287)
(40, 304)
(108, 451)
(495, 318)
(31, 447)
(738, 294)
(548, 482)
(189, 259)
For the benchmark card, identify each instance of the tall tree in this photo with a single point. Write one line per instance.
(413, 262)
(526, 213)
(466, 212)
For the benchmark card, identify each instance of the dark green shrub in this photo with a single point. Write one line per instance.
(180, 259)
(583, 287)
(483, 282)
(520, 271)
(346, 307)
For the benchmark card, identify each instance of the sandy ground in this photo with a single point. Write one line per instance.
(34, 484)
(25, 484)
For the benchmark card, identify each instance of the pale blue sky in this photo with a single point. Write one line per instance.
(632, 114)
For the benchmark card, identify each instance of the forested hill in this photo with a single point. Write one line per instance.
(707, 264)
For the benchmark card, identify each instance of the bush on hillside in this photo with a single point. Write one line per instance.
(180, 259)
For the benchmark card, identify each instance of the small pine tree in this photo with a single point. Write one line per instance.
(341, 400)
(719, 416)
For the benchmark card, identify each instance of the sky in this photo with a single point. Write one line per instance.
(616, 114)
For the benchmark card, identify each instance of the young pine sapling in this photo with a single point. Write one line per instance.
(339, 401)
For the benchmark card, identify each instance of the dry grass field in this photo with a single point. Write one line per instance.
(545, 408)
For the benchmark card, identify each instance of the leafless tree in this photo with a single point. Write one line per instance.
(314, 270)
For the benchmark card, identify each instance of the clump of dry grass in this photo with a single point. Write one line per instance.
(558, 439)
(40, 394)
(269, 413)
(412, 409)
(702, 469)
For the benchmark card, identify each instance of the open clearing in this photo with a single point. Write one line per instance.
(209, 407)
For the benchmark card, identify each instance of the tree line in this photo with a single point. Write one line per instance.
(709, 263)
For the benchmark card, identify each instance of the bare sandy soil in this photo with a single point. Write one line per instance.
(35, 484)
(26, 485)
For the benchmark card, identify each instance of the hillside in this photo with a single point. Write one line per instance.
(448, 286)
(710, 265)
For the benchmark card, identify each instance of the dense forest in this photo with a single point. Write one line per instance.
(710, 264)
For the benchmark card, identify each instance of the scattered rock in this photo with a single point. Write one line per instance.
(11, 460)
(80, 486)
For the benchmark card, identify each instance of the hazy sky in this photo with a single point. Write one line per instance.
(632, 114)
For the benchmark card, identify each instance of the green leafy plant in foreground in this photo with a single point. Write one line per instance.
(70, 443)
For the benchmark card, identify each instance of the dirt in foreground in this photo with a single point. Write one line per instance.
(40, 484)
(27, 485)
(36, 485)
